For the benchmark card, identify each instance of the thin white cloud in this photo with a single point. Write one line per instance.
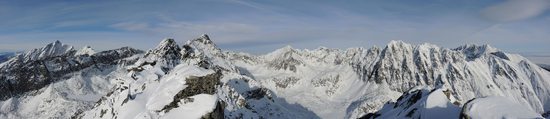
(252, 25)
(515, 10)
(132, 26)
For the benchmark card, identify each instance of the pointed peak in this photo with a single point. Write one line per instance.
(167, 51)
(473, 51)
(428, 45)
(166, 45)
(477, 48)
(203, 43)
(50, 50)
(205, 36)
(168, 40)
(55, 43)
(286, 48)
(322, 48)
(392, 42)
(326, 49)
(204, 39)
(284, 51)
(397, 43)
(86, 50)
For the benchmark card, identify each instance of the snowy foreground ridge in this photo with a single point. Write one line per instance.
(195, 79)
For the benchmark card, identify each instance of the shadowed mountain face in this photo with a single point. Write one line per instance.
(198, 80)
(37, 68)
(545, 66)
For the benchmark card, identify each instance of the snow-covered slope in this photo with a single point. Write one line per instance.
(201, 84)
(420, 102)
(358, 81)
(497, 107)
(428, 103)
(52, 82)
(198, 80)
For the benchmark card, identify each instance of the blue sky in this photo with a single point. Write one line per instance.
(521, 26)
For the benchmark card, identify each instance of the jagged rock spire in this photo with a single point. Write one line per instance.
(166, 48)
(51, 50)
(167, 53)
(203, 51)
(203, 44)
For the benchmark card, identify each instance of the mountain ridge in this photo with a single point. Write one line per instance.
(294, 83)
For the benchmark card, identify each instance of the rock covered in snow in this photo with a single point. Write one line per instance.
(51, 50)
(192, 91)
(420, 103)
(428, 103)
(40, 67)
(86, 50)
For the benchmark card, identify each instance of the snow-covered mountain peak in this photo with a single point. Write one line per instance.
(50, 50)
(395, 46)
(199, 79)
(86, 50)
(166, 54)
(167, 48)
(203, 52)
(205, 38)
(286, 51)
(397, 43)
(472, 51)
(428, 45)
(322, 50)
(168, 42)
(203, 44)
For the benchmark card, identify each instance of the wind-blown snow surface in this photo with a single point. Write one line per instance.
(420, 102)
(498, 108)
(197, 79)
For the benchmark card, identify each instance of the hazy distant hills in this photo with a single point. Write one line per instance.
(4, 56)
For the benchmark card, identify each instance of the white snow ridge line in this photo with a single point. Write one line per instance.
(198, 80)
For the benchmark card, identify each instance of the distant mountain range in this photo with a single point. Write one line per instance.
(4, 56)
(196, 79)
